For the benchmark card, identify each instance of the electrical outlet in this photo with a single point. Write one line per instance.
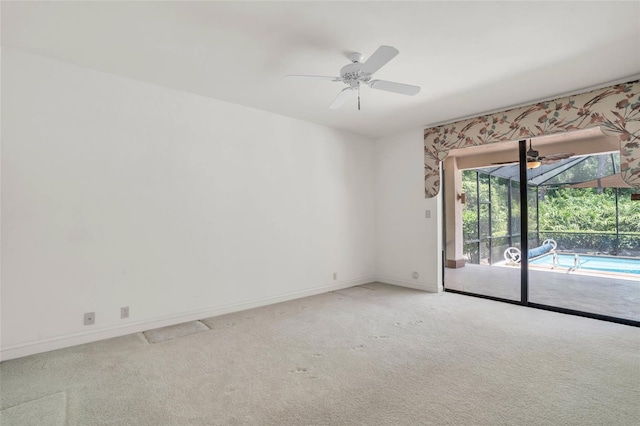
(124, 312)
(89, 318)
(427, 214)
(335, 276)
(415, 275)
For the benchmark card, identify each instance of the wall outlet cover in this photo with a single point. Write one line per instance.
(89, 318)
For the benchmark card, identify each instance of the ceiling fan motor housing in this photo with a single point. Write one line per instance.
(352, 74)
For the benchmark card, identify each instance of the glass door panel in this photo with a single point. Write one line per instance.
(595, 267)
(487, 224)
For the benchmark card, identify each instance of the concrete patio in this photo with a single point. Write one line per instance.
(600, 294)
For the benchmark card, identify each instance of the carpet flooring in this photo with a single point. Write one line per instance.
(369, 355)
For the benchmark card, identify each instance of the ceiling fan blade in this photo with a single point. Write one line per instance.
(504, 163)
(313, 77)
(342, 97)
(546, 161)
(557, 156)
(379, 58)
(390, 86)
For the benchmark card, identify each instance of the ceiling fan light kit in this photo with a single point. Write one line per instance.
(358, 73)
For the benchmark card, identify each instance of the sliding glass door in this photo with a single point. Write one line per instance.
(581, 253)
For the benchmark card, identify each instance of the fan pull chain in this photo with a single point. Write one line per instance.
(358, 96)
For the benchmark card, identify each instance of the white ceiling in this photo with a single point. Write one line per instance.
(468, 57)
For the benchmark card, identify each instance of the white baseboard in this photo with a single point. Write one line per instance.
(429, 287)
(45, 345)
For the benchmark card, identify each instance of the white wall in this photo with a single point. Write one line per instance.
(406, 241)
(119, 193)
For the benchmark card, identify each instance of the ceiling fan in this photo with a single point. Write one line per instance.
(535, 160)
(358, 73)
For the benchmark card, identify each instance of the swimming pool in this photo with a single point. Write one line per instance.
(624, 265)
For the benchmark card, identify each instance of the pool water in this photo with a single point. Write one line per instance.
(592, 263)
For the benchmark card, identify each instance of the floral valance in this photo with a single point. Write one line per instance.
(615, 109)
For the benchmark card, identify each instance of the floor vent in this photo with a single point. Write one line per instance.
(174, 331)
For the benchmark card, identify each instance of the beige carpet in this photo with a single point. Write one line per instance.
(369, 355)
